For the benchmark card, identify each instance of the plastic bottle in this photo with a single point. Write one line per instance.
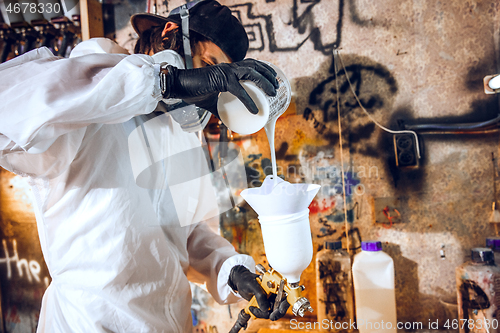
(494, 244)
(375, 299)
(478, 285)
(334, 293)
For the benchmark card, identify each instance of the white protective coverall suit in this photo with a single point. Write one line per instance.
(118, 258)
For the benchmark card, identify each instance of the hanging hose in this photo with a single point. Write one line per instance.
(241, 322)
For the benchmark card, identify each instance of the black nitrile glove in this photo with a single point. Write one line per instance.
(243, 281)
(281, 310)
(201, 86)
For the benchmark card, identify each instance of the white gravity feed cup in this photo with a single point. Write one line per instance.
(236, 116)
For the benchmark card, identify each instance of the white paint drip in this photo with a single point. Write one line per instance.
(270, 129)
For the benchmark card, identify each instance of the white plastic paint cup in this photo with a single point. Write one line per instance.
(284, 219)
(236, 116)
(288, 243)
(281, 200)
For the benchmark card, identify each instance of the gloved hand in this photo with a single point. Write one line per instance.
(243, 281)
(201, 86)
(281, 310)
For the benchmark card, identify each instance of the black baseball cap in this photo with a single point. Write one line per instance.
(208, 18)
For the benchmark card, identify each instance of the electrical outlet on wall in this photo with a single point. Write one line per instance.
(387, 210)
(405, 149)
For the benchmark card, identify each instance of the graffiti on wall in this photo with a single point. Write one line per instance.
(376, 89)
(25, 282)
(24, 275)
(289, 25)
(299, 21)
(29, 270)
(476, 304)
(271, 26)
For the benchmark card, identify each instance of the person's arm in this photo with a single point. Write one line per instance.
(211, 258)
(47, 102)
(45, 98)
(229, 276)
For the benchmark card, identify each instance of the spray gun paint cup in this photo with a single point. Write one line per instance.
(236, 116)
(284, 219)
(288, 243)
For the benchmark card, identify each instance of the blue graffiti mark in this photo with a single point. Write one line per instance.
(340, 216)
(350, 183)
(331, 182)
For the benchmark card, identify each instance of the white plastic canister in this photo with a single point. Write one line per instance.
(375, 299)
(236, 116)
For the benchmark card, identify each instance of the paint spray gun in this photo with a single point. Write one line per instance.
(274, 283)
(283, 214)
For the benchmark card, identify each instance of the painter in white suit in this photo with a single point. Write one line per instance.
(119, 193)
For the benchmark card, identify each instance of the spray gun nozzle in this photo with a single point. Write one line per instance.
(301, 306)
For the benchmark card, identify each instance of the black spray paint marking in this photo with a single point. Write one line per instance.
(322, 112)
(334, 282)
(301, 23)
(327, 229)
(324, 94)
(473, 299)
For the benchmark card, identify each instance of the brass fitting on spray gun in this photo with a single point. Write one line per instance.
(274, 283)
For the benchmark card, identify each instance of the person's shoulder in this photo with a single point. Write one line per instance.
(97, 45)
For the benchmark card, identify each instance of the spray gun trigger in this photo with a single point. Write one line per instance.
(279, 296)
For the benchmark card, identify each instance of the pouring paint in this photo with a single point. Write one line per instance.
(236, 117)
(270, 130)
(282, 207)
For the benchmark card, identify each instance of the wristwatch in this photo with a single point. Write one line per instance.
(164, 77)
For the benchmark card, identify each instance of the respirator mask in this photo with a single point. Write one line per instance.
(190, 117)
